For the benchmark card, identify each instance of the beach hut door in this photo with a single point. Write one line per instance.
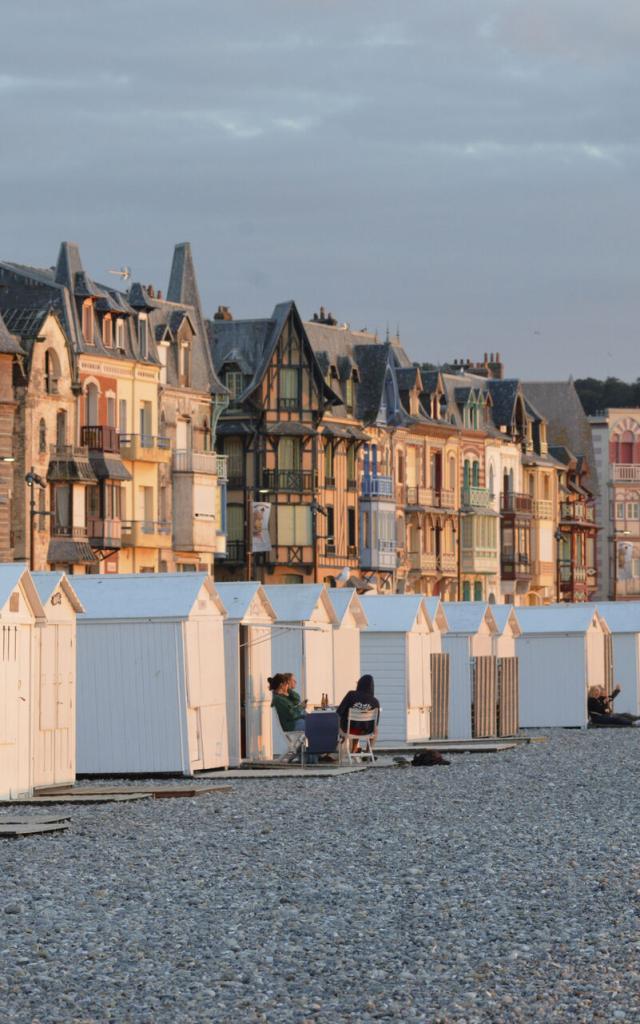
(439, 696)
(254, 693)
(418, 687)
(483, 674)
(508, 718)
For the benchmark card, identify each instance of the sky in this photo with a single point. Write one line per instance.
(464, 171)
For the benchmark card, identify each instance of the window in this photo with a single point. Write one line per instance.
(146, 424)
(51, 372)
(466, 591)
(625, 448)
(120, 334)
(91, 406)
(123, 416)
(234, 450)
(87, 321)
(348, 394)
(42, 436)
(351, 527)
(107, 332)
(62, 508)
(289, 393)
(633, 510)
(330, 525)
(366, 540)
(467, 473)
(143, 337)
(61, 428)
(619, 507)
(185, 364)
(546, 487)
(294, 524)
(162, 356)
(234, 382)
(477, 590)
(235, 522)
(328, 463)
(351, 463)
(111, 411)
(289, 453)
(400, 468)
(452, 472)
(492, 482)
(92, 502)
(475, 475)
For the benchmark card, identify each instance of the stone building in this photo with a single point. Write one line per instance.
(616, 444)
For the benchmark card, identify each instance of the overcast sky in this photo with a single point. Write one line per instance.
(468, 170)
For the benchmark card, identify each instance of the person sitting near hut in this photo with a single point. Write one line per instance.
(360, 699)
(289, 708)
(600, 708)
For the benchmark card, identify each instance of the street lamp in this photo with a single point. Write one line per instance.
(33, 480)
(558, 538)
(7, 458)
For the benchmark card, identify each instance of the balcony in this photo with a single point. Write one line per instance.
(423, 561)
(476, 497)
(105, 534)
(514, 566)
(448, 564)
(516, 504)
(236, 550)
(293, 480)
(577, 512)
(145, 448)
(145, 533)
(100, 439)
(222, 468)
(382, 556)
(418, 497)
(69, 462)
(444, 498)
(68, 532)
(481, 560)
(573, 574)
(625, 473)
(188, 461)
(377, 487)
(543, 509)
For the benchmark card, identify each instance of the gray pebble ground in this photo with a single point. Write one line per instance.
(502, 888)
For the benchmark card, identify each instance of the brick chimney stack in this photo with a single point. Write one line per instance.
(223, 313)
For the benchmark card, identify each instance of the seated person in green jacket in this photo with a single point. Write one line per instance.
(289, 707)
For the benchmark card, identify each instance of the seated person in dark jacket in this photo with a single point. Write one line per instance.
(600, 708)
(360, 699)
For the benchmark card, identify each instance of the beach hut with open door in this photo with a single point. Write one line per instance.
(622, 662)
(151, 694)
(396, 650)
(21, 614)
(346, 641)
(469, 643)
(561, 652)
(54, 738)
(247, 657)
(507, 688)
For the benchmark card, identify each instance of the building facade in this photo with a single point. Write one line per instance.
(616, 443)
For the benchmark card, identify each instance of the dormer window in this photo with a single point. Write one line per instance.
(51, 372)
(184, 364)
(348, 394)
(234, 382)
(120, 334)
(143, 337)
(289, 388)
(162, 356)
(107, 332)
(87, 321)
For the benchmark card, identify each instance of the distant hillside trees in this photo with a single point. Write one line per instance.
(611, 393)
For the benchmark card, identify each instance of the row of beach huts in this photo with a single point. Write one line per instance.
(167, 673)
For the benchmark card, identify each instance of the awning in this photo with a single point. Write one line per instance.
(289, 428)
(108, 467)
(226, 428)
(70, 552)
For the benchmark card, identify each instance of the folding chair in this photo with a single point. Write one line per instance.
(360, 717)
(321, 734)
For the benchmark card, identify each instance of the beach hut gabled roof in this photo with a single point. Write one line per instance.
(296, 602)
(16, 574)
(144, 595)
(550, 618)
(506, 616)
(620, 616)
(46, 582)
(468, 617)
(242, 599)
(345, 599)
(395, 613)
(437, 613)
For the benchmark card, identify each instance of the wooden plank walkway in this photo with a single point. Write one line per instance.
(447, 747)
(14, 831)
(156, 792)
(73, 798)
(287, 771)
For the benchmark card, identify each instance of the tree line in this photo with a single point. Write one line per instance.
(611, 393)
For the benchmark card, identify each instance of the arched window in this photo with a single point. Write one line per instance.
(452, 472)
(466, 591)
(625, 448)
(467, 473)
(546, 487)
(475, 476)
(206, 435)
(400, 468)
(491, 480)
(477, 590)
(42, 436)
(51, 372)
(91, 406)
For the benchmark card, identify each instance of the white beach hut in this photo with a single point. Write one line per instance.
(561, 654)
(395, 648)
(247, 656)
(346, 641)
(623, 619)
(54, 748)
(469, 643)
(20, 613)
(151, 674)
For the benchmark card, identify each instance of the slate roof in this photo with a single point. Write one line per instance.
(8, 344)
(504, 394)
(567, 421)
(142, 595)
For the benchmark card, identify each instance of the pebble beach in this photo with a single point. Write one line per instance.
(504, 887)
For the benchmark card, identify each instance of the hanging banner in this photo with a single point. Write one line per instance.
(260, 515)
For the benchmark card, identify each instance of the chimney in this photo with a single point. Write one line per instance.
(150, 291)
(223, 313)
(159, 295)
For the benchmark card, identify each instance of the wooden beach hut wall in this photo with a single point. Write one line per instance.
(21, 613)
(439, 661)
(54, 747)
(346, 641)
(151, 675)
(396, 650)
(508, 673)
(561, 654)
(301, 642)
(469, 643)
(247, 657)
